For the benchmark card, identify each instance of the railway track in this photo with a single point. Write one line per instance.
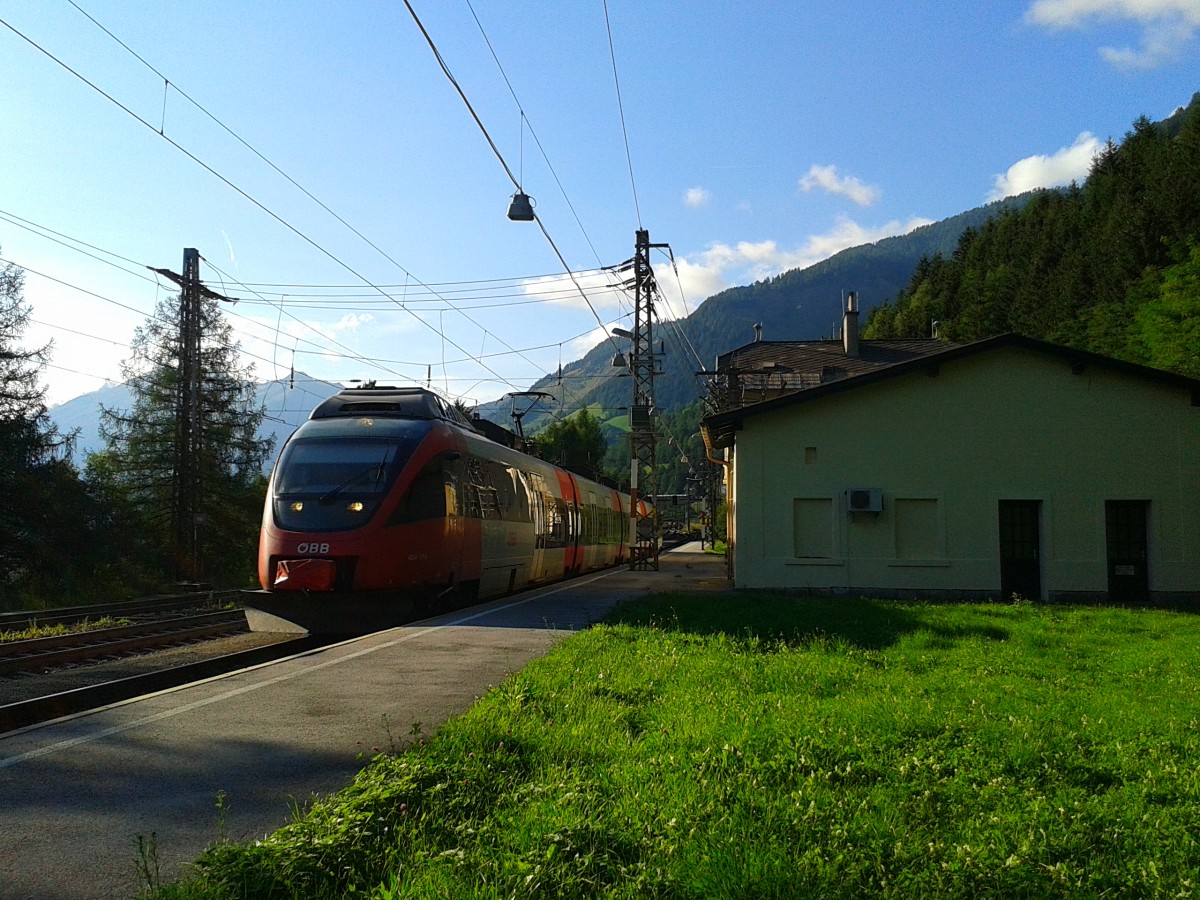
(124, 609)
(119, 663)
(44, 654)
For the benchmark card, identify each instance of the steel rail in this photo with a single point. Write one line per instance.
(40, 654)
(26, 618)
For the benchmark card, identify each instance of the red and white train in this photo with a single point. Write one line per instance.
(388, 501)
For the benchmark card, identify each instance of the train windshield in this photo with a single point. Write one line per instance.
(334, 473)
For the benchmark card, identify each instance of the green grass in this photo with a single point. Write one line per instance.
(757, 747)
(43, 631)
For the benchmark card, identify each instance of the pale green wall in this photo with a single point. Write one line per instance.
(1008, 423)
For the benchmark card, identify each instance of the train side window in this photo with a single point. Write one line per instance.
(502, 486)
(519, 506)
(541, 529)
(428, 497)
(555, 526)
(471, 488)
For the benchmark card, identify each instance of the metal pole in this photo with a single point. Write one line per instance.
(643, 450)
(189, 414)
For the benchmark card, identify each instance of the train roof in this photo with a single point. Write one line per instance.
(407, 403)
(390, 402)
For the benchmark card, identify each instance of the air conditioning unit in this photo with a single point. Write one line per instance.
(864, 500)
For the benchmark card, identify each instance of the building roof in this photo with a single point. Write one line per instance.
(876, 361)
(764, 370)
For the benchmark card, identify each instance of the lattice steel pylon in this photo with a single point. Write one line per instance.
(187, 496)
(643, 474)
(187, 486)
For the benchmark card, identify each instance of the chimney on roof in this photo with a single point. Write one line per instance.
(850, 325)
(757, 332)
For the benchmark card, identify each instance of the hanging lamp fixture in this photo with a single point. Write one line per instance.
(520, 207)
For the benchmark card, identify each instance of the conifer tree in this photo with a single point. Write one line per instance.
(142, 461)
(42, 502)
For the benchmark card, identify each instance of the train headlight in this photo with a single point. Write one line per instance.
(354, 507)
(297, 506)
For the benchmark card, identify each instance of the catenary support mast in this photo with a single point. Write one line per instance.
(643, 476)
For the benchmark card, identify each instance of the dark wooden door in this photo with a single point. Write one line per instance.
(1125, 529)
(1020, 549)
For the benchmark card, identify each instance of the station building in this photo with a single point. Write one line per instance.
(1003, 467)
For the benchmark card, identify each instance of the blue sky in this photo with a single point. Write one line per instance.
(751, 138)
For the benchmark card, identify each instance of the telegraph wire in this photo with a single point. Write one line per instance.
(352, 354)
(384, 364)
(146, 316)
(313, 243)
(94, 337)
(66, 241)
(78, 288)
(513, 279)
(550, 295)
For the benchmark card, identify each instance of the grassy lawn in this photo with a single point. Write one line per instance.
(756, 747)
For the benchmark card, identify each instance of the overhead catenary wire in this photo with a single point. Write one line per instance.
(310, 241)
(621, 108)
(317, 349)
(527, 124)
(467, 356)
(307, 193)
(499, 156)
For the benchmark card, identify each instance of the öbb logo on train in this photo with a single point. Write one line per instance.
(312, 548)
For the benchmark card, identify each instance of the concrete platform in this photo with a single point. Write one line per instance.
(77, 793)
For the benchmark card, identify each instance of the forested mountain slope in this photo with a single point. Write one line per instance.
(1111, 266)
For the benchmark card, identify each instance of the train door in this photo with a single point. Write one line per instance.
(537, 513)
(571, 524)
(460, 532)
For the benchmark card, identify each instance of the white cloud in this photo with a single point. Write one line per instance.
(724, 265)
(347, 324)
(579, 347)
(827, 179)
(697, 197)
(568, 291)
(1167, 25)
(229, 246)
(1067, 164)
